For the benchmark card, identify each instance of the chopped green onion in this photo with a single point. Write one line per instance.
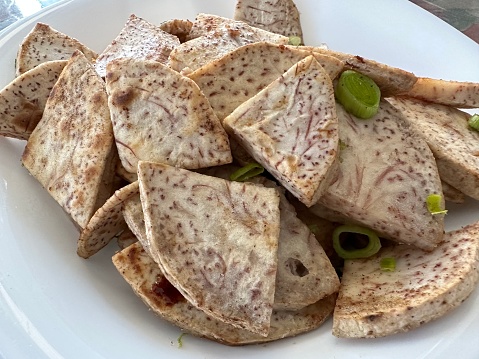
(249, 171)
(474, 122)
(388, 264)
(314, 228)
(180, 340)
(358, 94)
(434, 204)
(373, 246)
(295, 41)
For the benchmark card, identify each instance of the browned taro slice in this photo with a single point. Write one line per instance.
(134, 218)
(305, 274)
(386, 172)
(149, 283)
(278, 16)
(450, 93)
(425, 286)
(140, 40)
(106, 223)
(215, 240)
(239, 75)
(177, 27)
(23, 100)
(291, 128)
(44, 44)
(159, 115)
(71, 151)
(213, 37)
(391, 80)
(454, 143)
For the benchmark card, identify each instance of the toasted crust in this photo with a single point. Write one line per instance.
(391, 80)
(216, 241)
(239, 75)
(291, 129)
(425, 286)
(386, 171)
(455, 145)
(148, 282)
(71, 151)
(23, 100)
(106, 223)
(44, 44)
(450, 93)
(140, 40)
(280, 17)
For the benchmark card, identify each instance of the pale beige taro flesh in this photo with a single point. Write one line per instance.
(278, 16)
(44, 44)
(212, 37)
(160, 115)
(216, 241)
(454, 143)
(450, 93)
(71, 151)
(23, 100)
(106, 223)
(291, 129)
(138, 39)
(239, 75)
(386, 171)
(149, 283)
(424, 286)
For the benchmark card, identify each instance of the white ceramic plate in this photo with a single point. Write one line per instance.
(54, 304)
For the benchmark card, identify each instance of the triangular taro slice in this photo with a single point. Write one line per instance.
(138, 39)
(149, 283)
(44, 44)
(161, 116)
(239, 75)
(106, 223)
(71, 152)
(215, 240)
(386, 172)
(213, 37)
(280, 16)
(453, 142)
(23, 100)
(423, 287)
(291, 128)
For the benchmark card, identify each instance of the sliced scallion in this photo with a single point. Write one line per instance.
(246, 172)
(180, 339)
(295, 41)
(373, 246)
(358, 94)
(473, 122)
(388, 264)
(434, 204)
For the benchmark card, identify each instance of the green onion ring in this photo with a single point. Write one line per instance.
(473, 122)
(388, 264)
(358, 94)
(434, 204)
(374, 244)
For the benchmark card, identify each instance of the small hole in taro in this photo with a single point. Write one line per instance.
(296, 267)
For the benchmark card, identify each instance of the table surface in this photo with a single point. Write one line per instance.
(462, 14)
